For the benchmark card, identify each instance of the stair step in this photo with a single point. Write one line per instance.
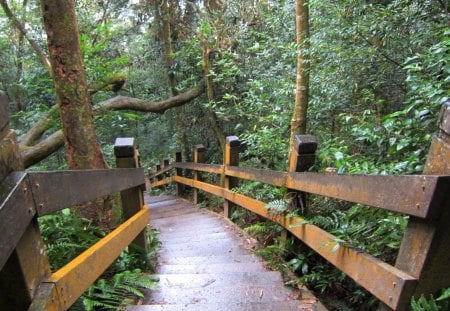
(192, 280)
(211, 268)
(293, 305)
(237, 294)
(195, 260)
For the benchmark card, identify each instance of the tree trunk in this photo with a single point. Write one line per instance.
(210, 94)
(299, 117)
(82, 148)
(171, 75)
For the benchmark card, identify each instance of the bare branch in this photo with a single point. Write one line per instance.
(130, 103)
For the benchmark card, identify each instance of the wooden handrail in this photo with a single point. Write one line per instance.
(408, 194)
(422, 197)
(24, 196)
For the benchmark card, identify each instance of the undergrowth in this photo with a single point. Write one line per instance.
(67, 235)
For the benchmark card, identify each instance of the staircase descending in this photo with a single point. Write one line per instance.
(206, 263)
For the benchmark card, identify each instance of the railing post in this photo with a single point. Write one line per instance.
(127, 156)
(199, 157)
(27, 266)
(424, 252)
(301, 157)
(158, 168)
(179, 172)
(231, 158)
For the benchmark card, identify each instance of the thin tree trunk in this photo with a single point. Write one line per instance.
(210, 95)
(82, 148)
(299, 117)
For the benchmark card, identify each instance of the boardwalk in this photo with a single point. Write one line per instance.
(206, 263)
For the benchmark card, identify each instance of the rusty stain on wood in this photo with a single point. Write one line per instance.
(73, 279)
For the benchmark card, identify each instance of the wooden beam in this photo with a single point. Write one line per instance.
(16, 212)
(89, 185)
(69, 282)
(409, 194)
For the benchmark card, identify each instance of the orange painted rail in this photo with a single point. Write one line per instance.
(425, 198)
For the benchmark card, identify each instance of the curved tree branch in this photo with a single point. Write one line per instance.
(34, 154)
(40, 151)
(130, 103)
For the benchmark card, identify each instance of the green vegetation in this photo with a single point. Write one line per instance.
(379, 73)
(67, 235)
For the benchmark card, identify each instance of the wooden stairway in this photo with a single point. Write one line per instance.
(206, 263)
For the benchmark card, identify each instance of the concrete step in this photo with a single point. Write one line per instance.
(216, 279)
(211, 268)
(199, 260)
(235, 293)
(293, 305)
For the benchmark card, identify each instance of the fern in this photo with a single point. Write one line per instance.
(277, 207)
(112, 294)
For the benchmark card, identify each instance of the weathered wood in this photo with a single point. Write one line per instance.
(127, 156)
(207, 168)
(179, 172)
(231, 158)
(408, 194)
(27, 264)
(385, 282)
(74, 278)
(4, 115)
(25, 269)
(424, 252)
(124, 147)
(302, 157)
(199, 157)
(89, 185)
(162, 182)
(16, 211)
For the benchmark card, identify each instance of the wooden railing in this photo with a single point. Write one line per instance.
(422, 265)
(26, 281)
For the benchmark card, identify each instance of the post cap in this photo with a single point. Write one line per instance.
(233, 141)
(124, 147)
(199, 148)
(304, 144)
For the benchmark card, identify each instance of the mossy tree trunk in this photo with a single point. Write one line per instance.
(299, 117)
(82, 148)
(74, 101)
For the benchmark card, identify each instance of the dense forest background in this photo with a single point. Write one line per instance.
(176, 73)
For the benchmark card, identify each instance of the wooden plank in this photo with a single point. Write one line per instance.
(16, 212)
(409, 194)
(412, 195)
(384, 281)
(4, 114)
(73, 279)
(162, 182)
(54, 191)
(202, 167)
(161, 171)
